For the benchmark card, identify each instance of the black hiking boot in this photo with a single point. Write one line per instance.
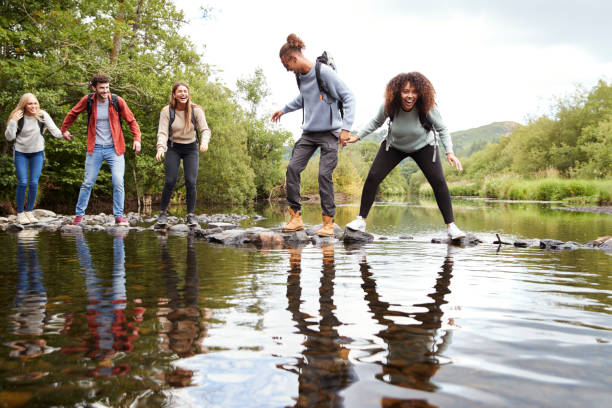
(192, 221)
(162, 220)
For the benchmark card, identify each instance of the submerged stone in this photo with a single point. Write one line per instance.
(550, 243)
(14, 227)
(357, 236)
(223, 225)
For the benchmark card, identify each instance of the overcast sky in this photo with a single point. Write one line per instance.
(488, 60)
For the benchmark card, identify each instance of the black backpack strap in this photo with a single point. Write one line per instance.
(115, 101)
(323, 88)
(170, 121)
(195, 126)
(20, 123)
(89, 104)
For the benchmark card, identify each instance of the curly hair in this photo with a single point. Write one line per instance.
(424, 88)
(293, 44)
(99, 79)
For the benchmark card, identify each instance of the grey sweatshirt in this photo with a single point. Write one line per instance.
(317, 108)
(30, 140)
(407, 133)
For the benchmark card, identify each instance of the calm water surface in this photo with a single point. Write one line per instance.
(146, 320)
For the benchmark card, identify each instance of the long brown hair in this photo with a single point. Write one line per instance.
(424, 88)
(173, 102)
(293, 45)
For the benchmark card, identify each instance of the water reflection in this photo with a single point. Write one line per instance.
(181, 326)
(413, 349)
(111, 335)
(324, 369)
(30, 304)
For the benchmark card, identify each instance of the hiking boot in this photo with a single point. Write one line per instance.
(358, 224)
(22, 219)
(162, 219)
(327, 230)
(454, 232)
(77, 219)
(295, 222)
(31, 217)
(121, 221)
(192, 221)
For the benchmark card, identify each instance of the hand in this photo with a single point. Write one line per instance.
(203, 149)
(17, 115)
(454, 161)
(160, 154)
(136, 147)
(276, 116)
(352, 138)
(67, 135)
(344, 137)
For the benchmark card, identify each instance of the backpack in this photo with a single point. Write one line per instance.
(114, 101)
(323, 88)
(193, 121)
(427, 125)
(20, 123)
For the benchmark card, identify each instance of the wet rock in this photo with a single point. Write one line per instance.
(179, 228)
(71, 229)
(468, 240)
(267, 239)
(569, 245)
(596, 243)
(14, 227)
(383, 238)
(40, 213)
(50, 227)
(607, 245)
(318, 241)
(229, 237)
(338, 233)
(223, 225)
(203, 233)
(550, 243)
(521, 244)
(406, 237)
(297, 237)
(357, 236)
(118, 231)
(257, 217)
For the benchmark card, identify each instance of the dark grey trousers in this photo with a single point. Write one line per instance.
(303, 150)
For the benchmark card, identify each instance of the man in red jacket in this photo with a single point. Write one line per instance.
(104, 142)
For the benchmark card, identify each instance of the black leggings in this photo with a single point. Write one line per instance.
(386, 160)
(191, 157)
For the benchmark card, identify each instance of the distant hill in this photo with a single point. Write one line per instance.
(466, 142)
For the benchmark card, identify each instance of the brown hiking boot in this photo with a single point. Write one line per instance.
(327, 230)
(295, 222)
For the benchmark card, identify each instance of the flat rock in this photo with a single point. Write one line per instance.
(297, 237)
(71, 228)
(179, 228)
(401, 236)
(223, 225)
(357, 236)
(40, 213)
(229, 237)
(569, 245)
(14, 227)
(550, 243)
(468, 240)
(203, 233)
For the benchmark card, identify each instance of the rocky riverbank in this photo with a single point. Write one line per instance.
(224, 229)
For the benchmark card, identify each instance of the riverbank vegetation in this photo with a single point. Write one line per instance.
(52, 48)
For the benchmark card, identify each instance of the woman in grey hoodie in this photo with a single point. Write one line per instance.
(26, 124)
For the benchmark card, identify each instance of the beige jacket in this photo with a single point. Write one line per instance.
(178, 133)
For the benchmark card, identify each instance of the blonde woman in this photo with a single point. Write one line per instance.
(26, 124)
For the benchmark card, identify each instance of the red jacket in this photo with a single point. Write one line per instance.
(113, 118)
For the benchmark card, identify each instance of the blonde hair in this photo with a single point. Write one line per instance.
(173, 102)
(23, 101)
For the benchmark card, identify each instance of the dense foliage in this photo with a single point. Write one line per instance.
(53, 47)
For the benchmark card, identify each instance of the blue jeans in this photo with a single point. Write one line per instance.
(93, 163)
(24, 162)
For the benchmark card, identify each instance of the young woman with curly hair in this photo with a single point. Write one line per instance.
(323, 126)
(25, 125)
(414, 123)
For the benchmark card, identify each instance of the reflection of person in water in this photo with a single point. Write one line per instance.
(324, 369)
(30, 300)
(414, 348)
(182, 328)
(110, 332)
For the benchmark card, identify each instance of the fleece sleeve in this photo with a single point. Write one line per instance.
(437, 122)
(376, 122)
(340, 92)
